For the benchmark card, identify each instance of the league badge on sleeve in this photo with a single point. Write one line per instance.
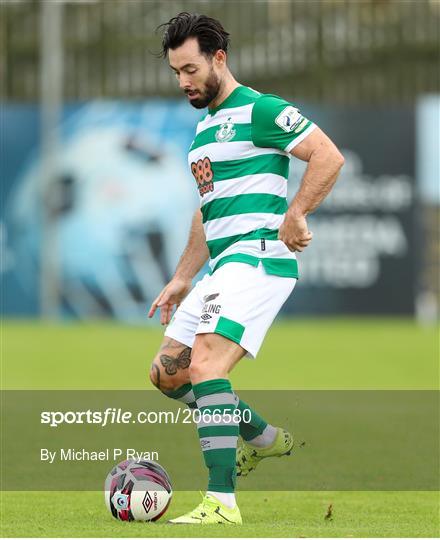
(289, 118)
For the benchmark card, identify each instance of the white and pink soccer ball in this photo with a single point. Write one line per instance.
(138, 491)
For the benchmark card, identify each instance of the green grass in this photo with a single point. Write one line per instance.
(273, 514)
(313, 354)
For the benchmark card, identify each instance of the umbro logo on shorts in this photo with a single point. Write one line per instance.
(206, 317)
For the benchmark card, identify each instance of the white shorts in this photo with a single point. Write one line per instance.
(239, 301)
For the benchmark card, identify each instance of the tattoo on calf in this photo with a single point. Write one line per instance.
(173, 364)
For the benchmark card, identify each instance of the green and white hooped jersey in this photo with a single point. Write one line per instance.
(240, 160)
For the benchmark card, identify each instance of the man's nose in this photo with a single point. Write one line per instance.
(184, 82)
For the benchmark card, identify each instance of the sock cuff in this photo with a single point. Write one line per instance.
(214, 386)
(180, 392)
(250, 432)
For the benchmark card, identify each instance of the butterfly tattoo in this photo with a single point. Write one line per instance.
(172, 364)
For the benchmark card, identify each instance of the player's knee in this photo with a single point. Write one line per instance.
(160, 380)
(164, 382)
(198, 371)
(154, 375)
(201, 367)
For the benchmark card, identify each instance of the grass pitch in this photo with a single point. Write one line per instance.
(355, 354)
(319, 354)
(273, 514)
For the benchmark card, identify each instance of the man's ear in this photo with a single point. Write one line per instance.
(220, 57)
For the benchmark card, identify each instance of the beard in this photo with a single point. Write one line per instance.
(212, 88)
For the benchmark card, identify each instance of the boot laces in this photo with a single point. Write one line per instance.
(206, 504)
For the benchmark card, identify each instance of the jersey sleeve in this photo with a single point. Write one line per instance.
(276, 123)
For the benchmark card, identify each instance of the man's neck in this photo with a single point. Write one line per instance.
(226, 89)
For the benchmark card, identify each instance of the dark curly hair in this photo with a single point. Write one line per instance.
(209, 32)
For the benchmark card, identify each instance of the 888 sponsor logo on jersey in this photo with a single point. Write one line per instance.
(202, 172)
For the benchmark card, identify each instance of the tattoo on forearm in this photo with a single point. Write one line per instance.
(173, 364)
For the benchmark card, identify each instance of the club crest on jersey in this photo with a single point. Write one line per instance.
(225, 132)
(204, 175)
(289, 118)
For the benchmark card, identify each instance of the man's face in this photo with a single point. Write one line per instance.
(198, 75)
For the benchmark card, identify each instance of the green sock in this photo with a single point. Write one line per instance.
(251, 424)
(218, 432)
(184, 394)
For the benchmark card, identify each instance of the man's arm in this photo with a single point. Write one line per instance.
(193, 258)
(196, 251)
(324, 164)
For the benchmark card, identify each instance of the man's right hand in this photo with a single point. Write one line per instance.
(294, 232)
(171, 295)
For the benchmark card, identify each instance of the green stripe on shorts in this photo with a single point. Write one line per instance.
(229, 329)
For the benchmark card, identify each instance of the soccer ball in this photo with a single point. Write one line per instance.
(137, 491)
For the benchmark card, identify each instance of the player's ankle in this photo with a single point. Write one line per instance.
(266, 439)
(228, 499)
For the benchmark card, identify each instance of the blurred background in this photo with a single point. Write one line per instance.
(97, 197)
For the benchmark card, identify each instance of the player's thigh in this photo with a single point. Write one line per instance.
(213, 356)
(170, 367)
(242, 303)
